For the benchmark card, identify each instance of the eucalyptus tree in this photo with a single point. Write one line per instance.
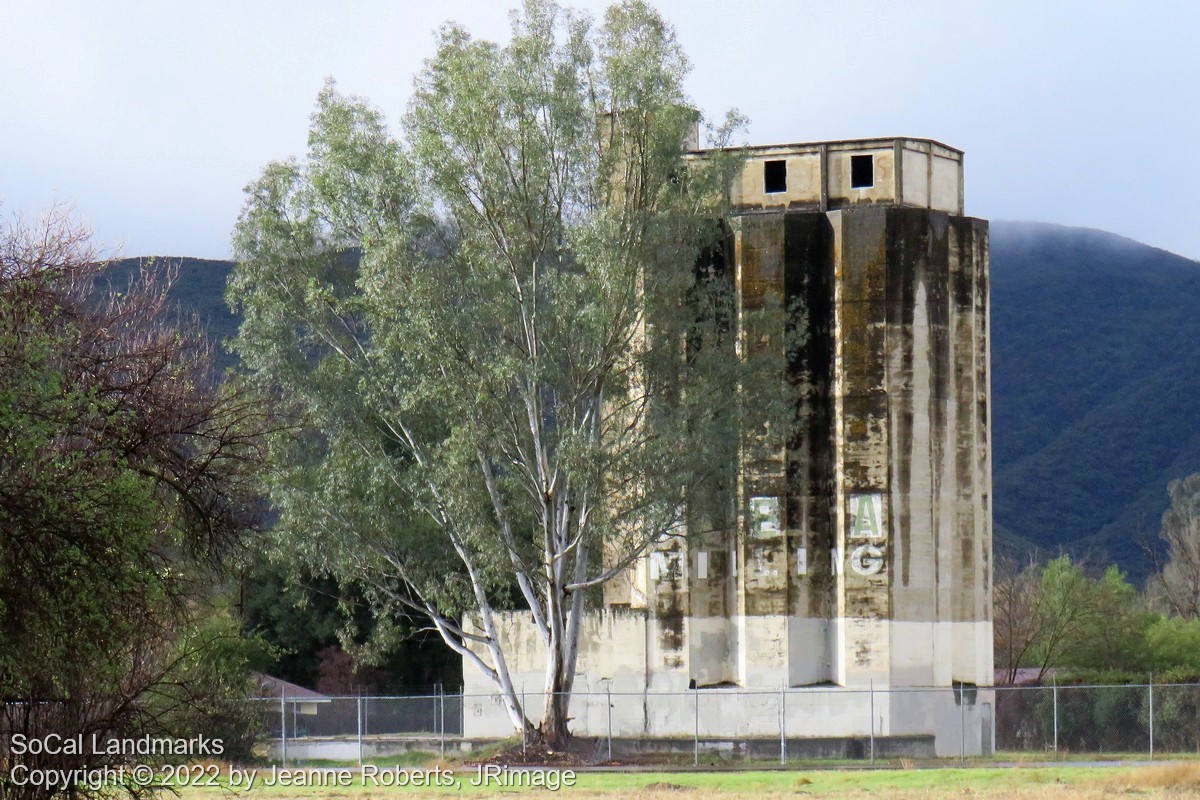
(511, 370)
(1179, 577)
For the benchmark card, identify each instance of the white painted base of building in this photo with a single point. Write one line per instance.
(883, 678)
(965, 728)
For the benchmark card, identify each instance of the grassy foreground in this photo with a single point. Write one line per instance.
(1174, 780)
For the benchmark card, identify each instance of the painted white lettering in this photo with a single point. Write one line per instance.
(866, 559)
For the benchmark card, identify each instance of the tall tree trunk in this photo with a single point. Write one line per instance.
(554, 728)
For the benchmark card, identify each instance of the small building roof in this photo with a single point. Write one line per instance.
(270, 686)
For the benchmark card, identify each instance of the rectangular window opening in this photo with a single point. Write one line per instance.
(862, 172)
(774, 176)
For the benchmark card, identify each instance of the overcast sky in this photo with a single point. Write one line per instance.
(149, 117)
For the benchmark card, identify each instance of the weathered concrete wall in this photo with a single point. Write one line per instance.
(805, 177)
(930, 176)
(817, 177)
(889, 472)
(935, 368)
(913, 165)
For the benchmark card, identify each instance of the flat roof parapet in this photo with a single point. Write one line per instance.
(824, 176)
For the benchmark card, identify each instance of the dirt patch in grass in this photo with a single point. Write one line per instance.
(531, 755)
(1178, 777)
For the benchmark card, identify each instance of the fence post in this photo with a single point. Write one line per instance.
(782, 725)
(524, 720)
(360, 731)
(962, 723)
(872, 720)
(1151, 688)
(608, 696)
(442, 718)
(1054, 688)
(696, 738)
(283, 725)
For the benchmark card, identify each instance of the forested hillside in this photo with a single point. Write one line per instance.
(1095, 387)
(199, 288)
(1095, 383)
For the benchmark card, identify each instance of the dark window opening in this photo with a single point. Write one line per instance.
(774, 177)
(862, 172)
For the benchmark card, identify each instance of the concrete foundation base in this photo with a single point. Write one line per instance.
(829, 747)
(596, 749)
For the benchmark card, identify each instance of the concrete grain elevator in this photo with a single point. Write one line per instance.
(852, 595)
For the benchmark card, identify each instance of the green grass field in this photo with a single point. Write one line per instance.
(1175, 779)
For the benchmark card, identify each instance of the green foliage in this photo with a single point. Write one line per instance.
(1179, 578)
(1108, 712)
(1101, 630)
(77, 522)
(1174, 646)
(301, 616)
(1112, 634)
(124, 485)
(1096, 629)
(297, 615)
(485, 327)
(1051, 615)
(204, 690)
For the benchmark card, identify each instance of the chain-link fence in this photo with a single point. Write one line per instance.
(348, 728)
(783, 725)
(422, 715)
(1106, 720)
